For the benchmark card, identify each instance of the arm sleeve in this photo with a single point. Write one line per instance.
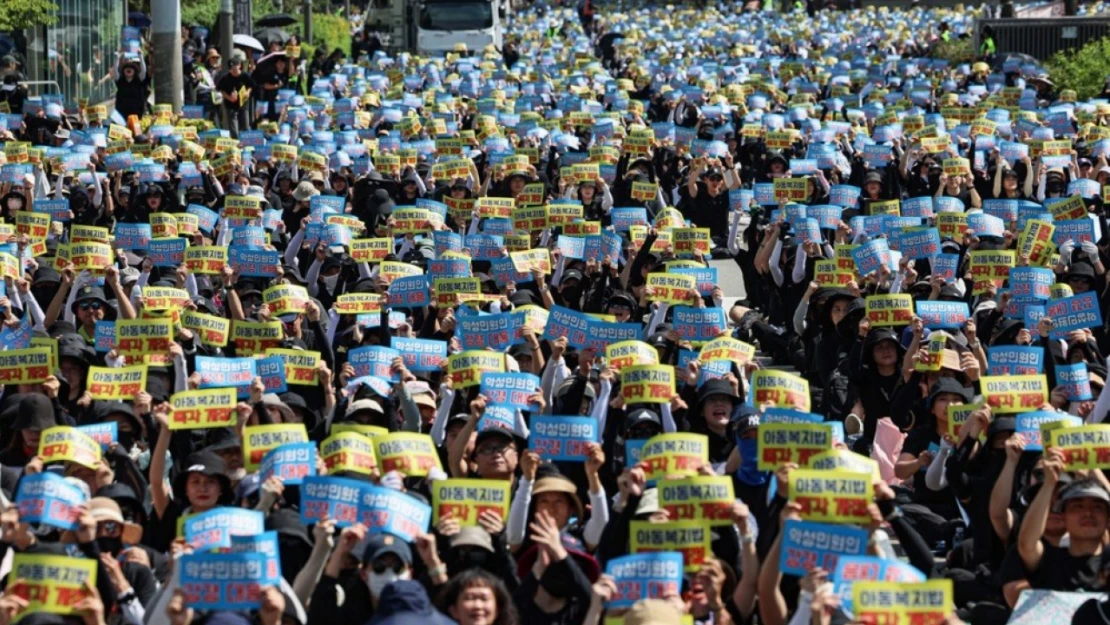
(776, 255)
(601, 405)
(439, 426)
(599, 518)
(313, 277)
(294, 247)
(934, 476)
(669, 425)
(518, 512)
(657, 318)
(799, 273)
(800, 316)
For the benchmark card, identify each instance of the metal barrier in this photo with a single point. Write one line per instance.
(35, 84)
(1043, 37)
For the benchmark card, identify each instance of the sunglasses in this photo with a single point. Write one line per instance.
(110, 527)
(493, 450)
(380, 567)
(90, 305)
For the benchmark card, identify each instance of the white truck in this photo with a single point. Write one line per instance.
(443, 24)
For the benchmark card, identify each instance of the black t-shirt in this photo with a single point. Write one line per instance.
(917, 441)
(1059, 570)
(709, 212)
(231, 83)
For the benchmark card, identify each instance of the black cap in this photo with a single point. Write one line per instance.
(949, 385)
(717, 386)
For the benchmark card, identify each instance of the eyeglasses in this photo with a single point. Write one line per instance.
(90, 305)
(494, 450)
(380, 567)
(619, 308)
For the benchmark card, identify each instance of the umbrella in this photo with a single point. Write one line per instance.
(275, 20)
(138, 19)
(271, 34)
(246, 41)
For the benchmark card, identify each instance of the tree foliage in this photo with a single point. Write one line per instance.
(956, 50)
(20, 14)
(1083, 69)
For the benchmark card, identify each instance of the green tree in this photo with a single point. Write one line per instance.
(20, 14)
(1083, 70)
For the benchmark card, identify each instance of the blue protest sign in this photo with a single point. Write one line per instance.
(449, 268)
(1077, 230)
(497, 417)
(984, 225)
(1015, 360)
(1029, 426)
(699, 325)
(104, 336)
(291, 462)
(133, 236)
(48, 498)
(484, 246)
(254, 262)
(1074, 313)
(623, 218)
(1075, 381)
(944, 266)
(496, 332)
(1003, 209)
(409, 292)
(601, 334)
(871, 256)
(844, 195)
(447, 241)
(324, 497)
(391, 511)
(563, 438)
(917, 243)
(827, 215)
(206, 217)
(272, 371)
(104, 433)
(939, 315)
(569, 323)
(511, 389)
(704, 277)
(214, 529)
(644, 576)
(227, 581)
(918, 206)
(374, 360)
(219, 372)
(421, 355)
(168, 252)
(1031, 283)
(807, 545)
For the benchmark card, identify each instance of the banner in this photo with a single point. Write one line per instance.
(513, 389)
(1074, 313)
(292, 463)
(1014, 394)
(1015, 360)
(832, 496)
(138, 337)
(214, 529)
(374, 360)
(25, 366)
(903, 603)
(358, 303)
(628, 353)
(690, 538)
(465, 499)
(670, 288)
(808, 545)
(783, 443)
(300, 365)
(421, 355)
(116, 383)
(50, 499)
(1074, 381)
(699, 325)
(50, 584)
(205, 408)
(285, 298)
(676, 453)
(889, 310)
(348, 451)
(644, 576)
(784, 390)
(563, 438)
(259, 439)
(702, 498)
(494, 332)
(409, 453)
(227, 581)
(648, 384)
(727, 348)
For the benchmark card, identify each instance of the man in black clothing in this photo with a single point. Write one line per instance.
(707, 203)
(236, 87)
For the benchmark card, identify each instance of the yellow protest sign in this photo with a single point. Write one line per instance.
(845, 460)
(889, 310)
(119, 383)
(647, 384)
(159, 298)
(259, 439)
(990, 266)
(50, 344)
(674, 454)
(532, 260)
(902, 603)
(50, 584)
(210, 329)
(791, 189)
(348, 451)
(783, 443)
(559, 213)
(1084, 447)
(243, 207)
(255, 337)
(365, 430)
(1014, 393)
(688, 241)
(371, 250)
(952, 225)
(582, 228)
(188, 224)
(285, 299)
(162, 225)
(206, 259)
(300, 365)
(25, 366)
(628, 353)
(955, 166)
(670, 288)
(644, 191)
(466, 368)
(727, 348)
(68, 444)
(464, 500)
(137, 337)
(496, 207)
(35, 225)
(958, 414)
(832, 496)
(90, 255)
(1071, 208)
(701, 498)
(450, 291)
(358, 303)
(203, 408)
(1036, 242)
(690, 538)
(410, 453)
(934, 351)
(783, 389)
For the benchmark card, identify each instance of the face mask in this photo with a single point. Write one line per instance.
(749, 472)
(377, 582)
(126, 439)
(110, 545)
(470, 559)
(330, 282)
